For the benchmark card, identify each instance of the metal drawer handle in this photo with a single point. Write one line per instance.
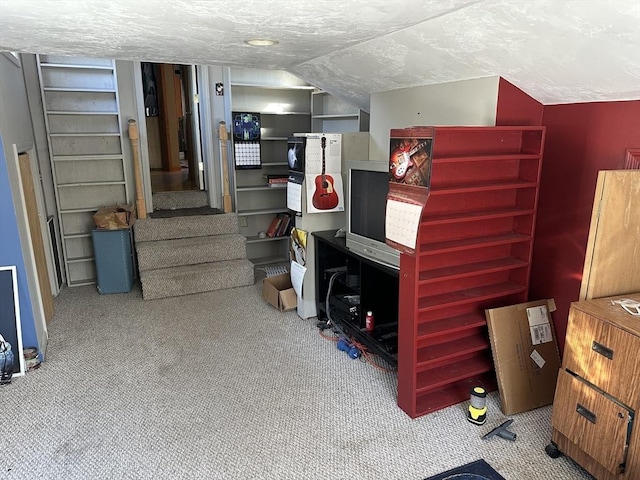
(589, 415)
(602, 350)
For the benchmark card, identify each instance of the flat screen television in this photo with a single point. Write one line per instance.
(367, 188)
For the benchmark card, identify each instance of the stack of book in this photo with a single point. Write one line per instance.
(280, 226)
(277, 180)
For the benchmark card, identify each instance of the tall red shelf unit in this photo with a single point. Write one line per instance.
(473, 252)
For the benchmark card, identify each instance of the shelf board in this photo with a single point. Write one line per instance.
(439, 377)
(76, 66)
(469, 295)
(262, 211)
(475, 242)
(86, 134)
(256, 239)
(82, 282)
(76, 158)
(431, 220)
(275, 164)
(285, 113)
(91, 184)
(459, 347)
(75, 112)
(261, 261)
(251, 188)
(273, 87)
(481, 187)
(485, 158)
(471, 269)
(336, 116)
(449, 326)
(80, 259)
(81, 90)
(273, 139)
(79, 210)
(77, 235)
(452, 394)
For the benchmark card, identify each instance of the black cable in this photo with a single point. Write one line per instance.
(330, 321)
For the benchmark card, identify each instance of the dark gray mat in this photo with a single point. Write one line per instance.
(185, 212)
(478, 470)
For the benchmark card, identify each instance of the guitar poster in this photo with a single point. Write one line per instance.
(410, 158)
(323, 173)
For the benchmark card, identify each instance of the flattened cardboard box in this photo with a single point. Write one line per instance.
(525, 354)
(279, 292)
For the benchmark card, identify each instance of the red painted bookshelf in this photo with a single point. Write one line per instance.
(474, 252)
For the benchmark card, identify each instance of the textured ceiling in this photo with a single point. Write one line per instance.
(558, 51)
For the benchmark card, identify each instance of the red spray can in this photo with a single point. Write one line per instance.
(369, 321)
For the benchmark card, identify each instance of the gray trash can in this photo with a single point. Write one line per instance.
(114, 260)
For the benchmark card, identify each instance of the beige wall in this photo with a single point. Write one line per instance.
(468, 102)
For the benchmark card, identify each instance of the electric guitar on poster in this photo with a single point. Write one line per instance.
(401, 160)
(324, 196)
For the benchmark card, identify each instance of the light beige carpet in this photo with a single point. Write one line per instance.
(221, 385)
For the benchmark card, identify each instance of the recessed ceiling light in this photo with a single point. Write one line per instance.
(261, 42)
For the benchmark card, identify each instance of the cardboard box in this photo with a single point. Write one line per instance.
(279, 292)
(525, 354)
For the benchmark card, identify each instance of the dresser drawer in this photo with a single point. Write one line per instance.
(600, 426)
(604, 355)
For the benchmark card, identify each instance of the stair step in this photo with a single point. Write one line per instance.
(148, 229)
(190, 251)
(204, 277)
(180, 199)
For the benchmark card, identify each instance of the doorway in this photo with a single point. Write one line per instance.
(172, 123)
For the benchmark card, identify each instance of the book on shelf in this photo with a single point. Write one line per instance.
(279, 226)
(274, 226)
(278, 184)
(284, 225)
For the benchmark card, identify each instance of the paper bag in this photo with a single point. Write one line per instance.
(115, 217)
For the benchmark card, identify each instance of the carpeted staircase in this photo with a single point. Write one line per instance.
(180, 255)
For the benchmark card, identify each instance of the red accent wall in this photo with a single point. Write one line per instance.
(514, 107)
(581, 139)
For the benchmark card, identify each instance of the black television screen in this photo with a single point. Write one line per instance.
(368, 203)
(368, 186)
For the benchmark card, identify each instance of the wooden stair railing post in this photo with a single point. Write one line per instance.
(222, 133)
(133, 137)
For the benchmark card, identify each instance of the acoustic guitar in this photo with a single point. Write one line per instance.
(324, 196)
(401, 160)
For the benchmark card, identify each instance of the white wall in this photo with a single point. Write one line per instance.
(128, 109)
(468, 102)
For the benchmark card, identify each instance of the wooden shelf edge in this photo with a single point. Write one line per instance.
(475, 242)
(453, 394)
(470, 295)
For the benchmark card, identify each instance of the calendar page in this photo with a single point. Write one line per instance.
(403, 215)
(246, 140)
(402, 222)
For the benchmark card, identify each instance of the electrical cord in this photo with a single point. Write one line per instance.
(326, 300)
(366, 356)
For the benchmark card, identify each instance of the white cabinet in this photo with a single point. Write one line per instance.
(283, 102)
(332, 115)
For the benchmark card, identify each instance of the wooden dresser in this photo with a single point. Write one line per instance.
(597, 396)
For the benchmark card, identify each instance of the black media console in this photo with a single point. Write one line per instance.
(354, 285)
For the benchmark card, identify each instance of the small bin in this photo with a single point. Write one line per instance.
(114, 260)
